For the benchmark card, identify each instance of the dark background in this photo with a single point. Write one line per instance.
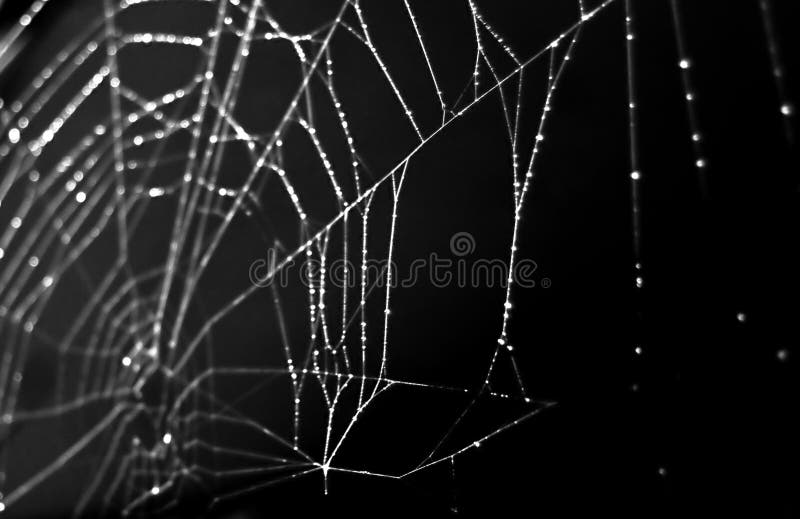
(702, 422)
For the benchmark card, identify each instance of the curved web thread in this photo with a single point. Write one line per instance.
(135, 345)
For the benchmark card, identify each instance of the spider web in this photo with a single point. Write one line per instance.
(95, 157)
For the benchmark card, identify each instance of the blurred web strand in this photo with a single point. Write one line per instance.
(17, 29)
(778, 69)
(685, 64)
